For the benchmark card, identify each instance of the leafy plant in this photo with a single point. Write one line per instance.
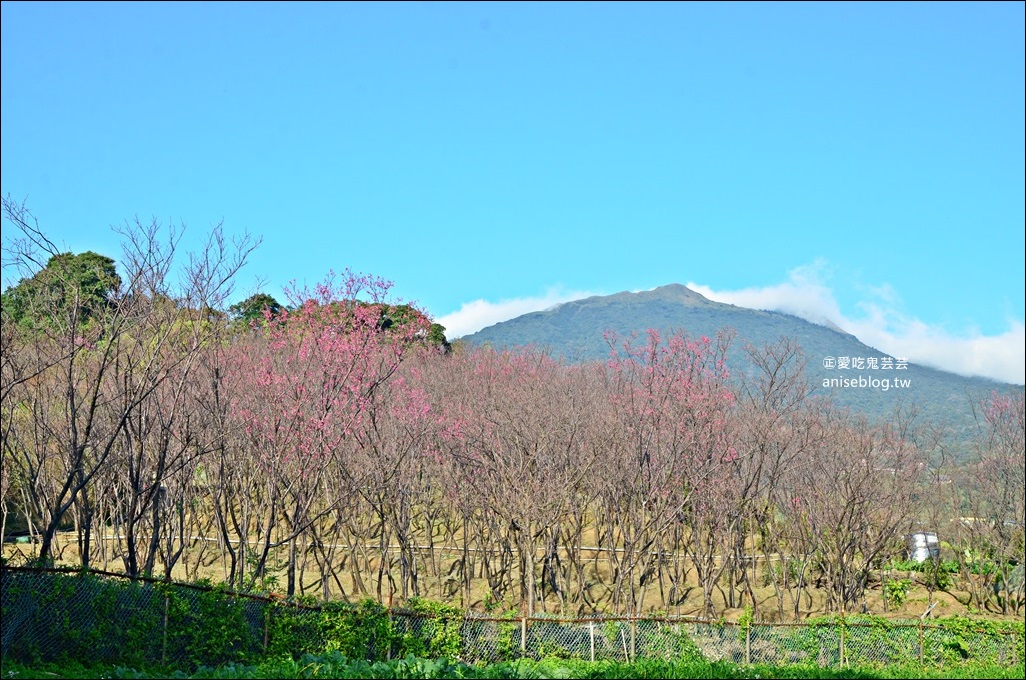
(896, 591)
(440, 630)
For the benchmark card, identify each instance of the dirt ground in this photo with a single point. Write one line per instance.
(441, 587)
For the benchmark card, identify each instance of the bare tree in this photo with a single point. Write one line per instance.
(95, 364)
(772, 428)
(854, 498)
(515, 436)
(992, 488)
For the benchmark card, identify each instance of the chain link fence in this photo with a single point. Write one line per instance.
(851, 643)
(53, 615)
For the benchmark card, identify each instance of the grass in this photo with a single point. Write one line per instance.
(337, 666)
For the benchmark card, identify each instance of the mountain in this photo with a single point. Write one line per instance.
(574, 331)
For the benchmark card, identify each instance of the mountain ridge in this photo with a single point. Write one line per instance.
(575, 331)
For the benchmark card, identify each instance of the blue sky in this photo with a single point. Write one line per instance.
(861, 163)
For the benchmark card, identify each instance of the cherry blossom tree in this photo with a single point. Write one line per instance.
(307, 385)
(515, 437)
(668, 447)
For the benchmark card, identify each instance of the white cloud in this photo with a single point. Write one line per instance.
(995, 356)
(803, 295)
(884, 327)
(473, 316)
(880, 325)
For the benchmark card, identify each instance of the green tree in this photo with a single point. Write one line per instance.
(252, 308)
(399, 317)
(71, 289)
(436, 336)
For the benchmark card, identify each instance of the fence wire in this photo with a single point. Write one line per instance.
(52, 616)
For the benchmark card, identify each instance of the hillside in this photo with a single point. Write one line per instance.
(574, 331)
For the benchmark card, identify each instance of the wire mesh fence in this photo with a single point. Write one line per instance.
(51, 615)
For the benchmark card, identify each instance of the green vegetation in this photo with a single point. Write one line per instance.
(336, 665)
(896, 591)
(79, 625)
(253, 308)
(70, 288)
(79, 617)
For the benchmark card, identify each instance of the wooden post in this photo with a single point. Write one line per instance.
(748, 643)
(634, 638)
(922, 650)
(523, 635)
(591, 634)
(842, 641)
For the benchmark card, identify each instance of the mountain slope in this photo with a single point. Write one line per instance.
(575, 330)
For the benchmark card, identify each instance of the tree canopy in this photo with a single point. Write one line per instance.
(253, 308)
(70, 288)
(393, 318)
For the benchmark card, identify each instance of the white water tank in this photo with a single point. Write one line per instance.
(923, 545)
